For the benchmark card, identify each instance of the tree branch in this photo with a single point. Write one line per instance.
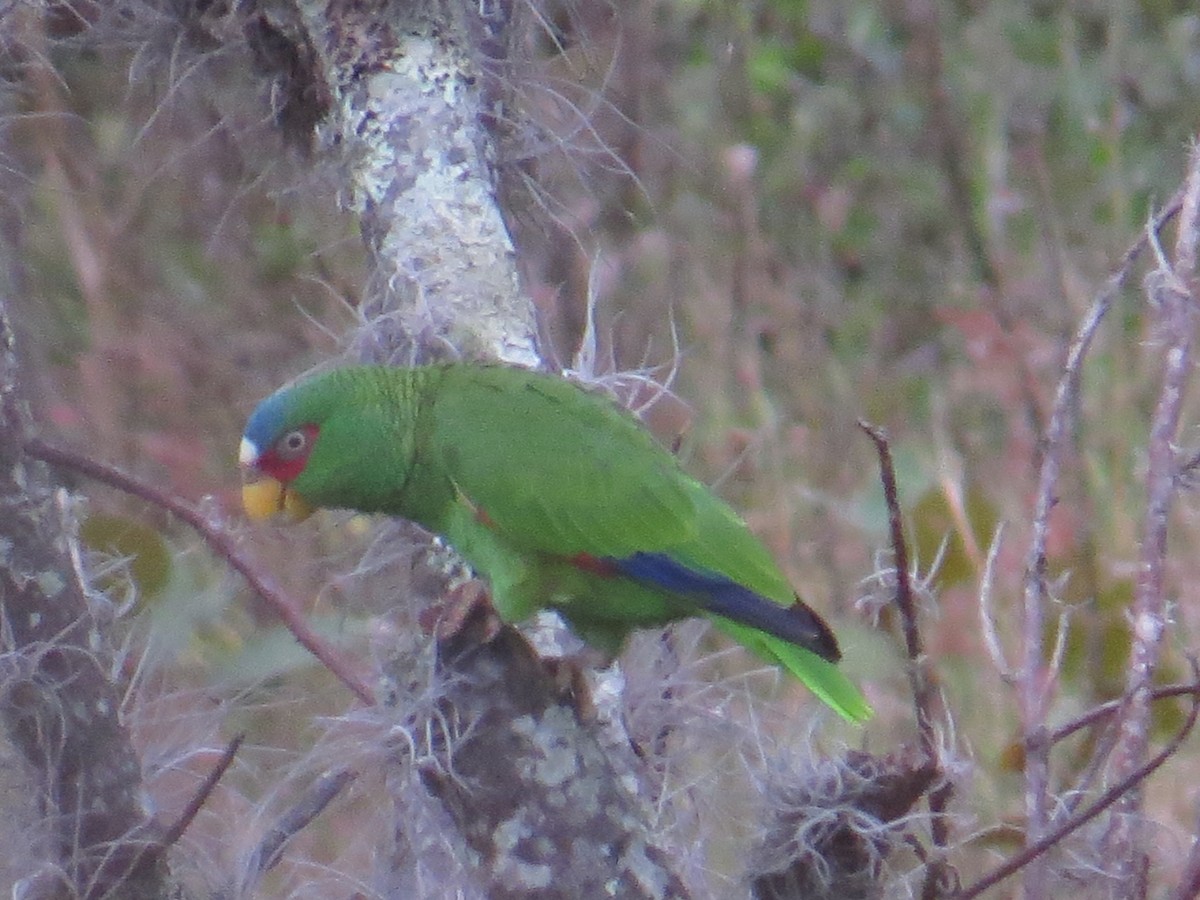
(1171, 293)
(927, 697)
(407, 120)
(1034, 682)
(224, 545)
(56, 696)
(270, 849)
(529, 783)
(1105, 801)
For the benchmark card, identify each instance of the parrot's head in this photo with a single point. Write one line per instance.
(338, 439)
(277, 447)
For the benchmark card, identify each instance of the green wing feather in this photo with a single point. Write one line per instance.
(563, 472)
(557, 470)
(821, 677)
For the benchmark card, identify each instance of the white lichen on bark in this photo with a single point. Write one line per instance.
(420, 173)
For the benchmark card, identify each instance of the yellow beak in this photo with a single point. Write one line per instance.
(267, 498)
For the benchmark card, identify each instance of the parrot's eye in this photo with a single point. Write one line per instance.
(293, 444)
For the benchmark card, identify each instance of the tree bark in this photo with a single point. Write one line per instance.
(407, 121)
(57, 698)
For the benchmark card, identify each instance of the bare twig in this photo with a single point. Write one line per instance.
(223, 544)
(1103, 802)
(926, 694)
(1034, 684)
(320, 795)
(1104, 746)
(991, 637)
(904, 593)
(1104, 710)
(1170, 292)
(200, 797)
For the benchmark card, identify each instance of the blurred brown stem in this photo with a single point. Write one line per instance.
(223, 544)
(269, 851)
(926, 695)
(200, 797)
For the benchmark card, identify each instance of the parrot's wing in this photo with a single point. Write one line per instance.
(721, 596)
(556, 469)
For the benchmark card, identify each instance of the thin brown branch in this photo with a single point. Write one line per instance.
(312, 804)
(926, 694)
(223, 544)
(200, 797)
(905, 603)
(1098, 713)
(1104, 801)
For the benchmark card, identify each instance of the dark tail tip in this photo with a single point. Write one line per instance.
(823, 643)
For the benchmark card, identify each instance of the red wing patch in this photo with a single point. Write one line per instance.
(597, 565)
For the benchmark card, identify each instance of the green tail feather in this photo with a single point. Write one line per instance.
(822, 678)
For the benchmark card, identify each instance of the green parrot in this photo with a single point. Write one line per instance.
(554, 493)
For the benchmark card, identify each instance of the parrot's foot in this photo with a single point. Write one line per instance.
(571, 680)
(467, 603)
(466, 617)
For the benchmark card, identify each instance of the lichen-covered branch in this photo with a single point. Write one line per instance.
(56, 699)
(407, 121)
(533, 788)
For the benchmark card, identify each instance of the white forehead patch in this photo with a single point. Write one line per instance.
(247, 452)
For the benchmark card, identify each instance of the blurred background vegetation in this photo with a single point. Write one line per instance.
(816, 211)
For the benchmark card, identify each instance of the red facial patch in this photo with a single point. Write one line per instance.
(284, 462)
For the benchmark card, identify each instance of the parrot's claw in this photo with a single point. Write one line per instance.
(462, 605)
(570, 677)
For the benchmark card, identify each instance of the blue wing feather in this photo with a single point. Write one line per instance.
(721, 596)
